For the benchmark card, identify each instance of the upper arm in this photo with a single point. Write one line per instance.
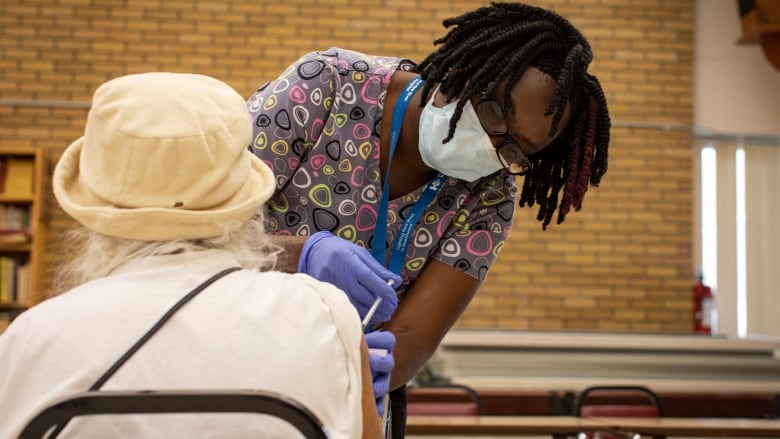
(432, 305)
(350, 332)
(370, 416)
(433, 302)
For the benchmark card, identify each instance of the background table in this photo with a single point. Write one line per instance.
(696, 427)
(502, 425)
(571, 426)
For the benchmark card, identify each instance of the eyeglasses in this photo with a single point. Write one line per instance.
(492, 119)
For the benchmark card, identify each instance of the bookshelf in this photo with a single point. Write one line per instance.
(21, 230)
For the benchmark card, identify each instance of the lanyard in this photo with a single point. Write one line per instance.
(405, 232)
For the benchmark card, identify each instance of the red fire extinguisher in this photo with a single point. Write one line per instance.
(703, 307)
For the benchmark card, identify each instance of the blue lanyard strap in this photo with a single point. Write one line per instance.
(404, 234)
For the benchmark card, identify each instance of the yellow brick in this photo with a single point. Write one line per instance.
(640, 217)
(194, 38)
(583, 303)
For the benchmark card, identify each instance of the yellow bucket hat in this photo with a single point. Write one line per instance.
(163, 156)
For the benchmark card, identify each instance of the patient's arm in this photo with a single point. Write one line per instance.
(371, 428)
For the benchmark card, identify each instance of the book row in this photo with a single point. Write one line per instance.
(14, 217)
(17, 175)
(14, 280)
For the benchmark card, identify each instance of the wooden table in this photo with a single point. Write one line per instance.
(696, 427)
(501, 425)
(571, 426)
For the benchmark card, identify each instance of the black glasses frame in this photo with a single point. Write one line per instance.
(509, 153)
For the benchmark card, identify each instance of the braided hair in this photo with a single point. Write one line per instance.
(498, 43)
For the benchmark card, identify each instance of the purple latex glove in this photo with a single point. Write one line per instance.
(351, 268)
(380, 356)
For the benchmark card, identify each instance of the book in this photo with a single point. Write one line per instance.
(14, 224)
(5, 281)
(22, 282)
(19, 176)
(14, 236)
(3, 162)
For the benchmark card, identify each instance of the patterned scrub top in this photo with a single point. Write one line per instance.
(317, 126)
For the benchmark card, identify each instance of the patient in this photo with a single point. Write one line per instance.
(168, 196)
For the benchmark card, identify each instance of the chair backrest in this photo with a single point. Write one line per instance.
(625, 401)
(151, 402)
(618, 401)
(438, 399)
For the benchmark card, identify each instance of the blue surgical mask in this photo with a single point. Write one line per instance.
(469, 155)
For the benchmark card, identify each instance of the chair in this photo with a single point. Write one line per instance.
(436, 399)
(151, 402)
(618, 401)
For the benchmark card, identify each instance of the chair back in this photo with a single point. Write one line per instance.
(633, 401)
(443, 399)
(150, 402)
(618, 401)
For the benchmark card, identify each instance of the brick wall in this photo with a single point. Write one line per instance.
(623, 263)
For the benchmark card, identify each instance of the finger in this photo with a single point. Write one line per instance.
(351, 280)
(382, 272)
(382, 366)
(373, 264)
(378, 287)
(360, 305)
(396, 278)
(375, 286)
(381, 387)
(381, 340)
(384, 312)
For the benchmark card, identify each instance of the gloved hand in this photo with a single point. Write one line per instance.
(380, 357)
(352, 268)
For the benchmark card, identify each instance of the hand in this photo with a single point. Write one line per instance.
(352, 268)
(380, 357)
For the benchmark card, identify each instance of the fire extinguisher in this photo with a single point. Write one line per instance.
(703, 307)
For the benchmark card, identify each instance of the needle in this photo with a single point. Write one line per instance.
(373, 308)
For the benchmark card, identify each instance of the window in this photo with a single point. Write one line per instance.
(738, 231)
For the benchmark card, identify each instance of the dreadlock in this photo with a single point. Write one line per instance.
(498, 43)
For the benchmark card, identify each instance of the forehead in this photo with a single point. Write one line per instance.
(530, 97)
(534, 78)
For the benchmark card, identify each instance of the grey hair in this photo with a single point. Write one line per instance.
(90, 255)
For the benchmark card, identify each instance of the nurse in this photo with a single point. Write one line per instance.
(397, 179)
